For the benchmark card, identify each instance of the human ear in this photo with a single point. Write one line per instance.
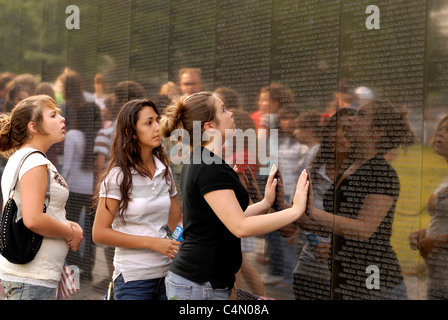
(129, 133)
(32, 127)
(209, 125)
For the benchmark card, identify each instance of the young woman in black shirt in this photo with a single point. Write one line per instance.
(215, 204)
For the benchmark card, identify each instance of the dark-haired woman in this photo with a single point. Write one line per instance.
(135, 202)
(78, 171)
(73, 95)
(359, 208)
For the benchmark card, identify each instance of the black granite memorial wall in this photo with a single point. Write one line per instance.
(308, 60)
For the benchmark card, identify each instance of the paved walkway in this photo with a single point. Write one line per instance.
(97, 289)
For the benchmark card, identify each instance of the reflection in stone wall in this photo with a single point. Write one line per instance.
(319, 57)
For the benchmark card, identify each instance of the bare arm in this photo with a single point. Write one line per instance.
(98, 165)
(264, 205)
(372, 212)
(103, 233)
(428, 244)
(175, 214)
(33, 186)
(225, 205)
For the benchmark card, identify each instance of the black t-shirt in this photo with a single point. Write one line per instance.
(352, 257)
(209, 252)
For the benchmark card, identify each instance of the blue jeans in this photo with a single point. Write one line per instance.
(151, 289)
(25, 291)
(179, 288)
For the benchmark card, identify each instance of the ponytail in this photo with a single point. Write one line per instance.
(172, 119)
(5, 135)
(14, 128)
(182, 113)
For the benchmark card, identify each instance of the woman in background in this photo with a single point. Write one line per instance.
(312, 270)
(433, 241)
(78, 171)
(360, 206)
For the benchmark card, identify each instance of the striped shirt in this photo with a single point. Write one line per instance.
(146, 215)
(103, 141)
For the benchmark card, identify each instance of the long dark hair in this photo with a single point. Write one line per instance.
(393, 120)
(327, 150)
(126, 152)
(88, 121)
(73, 95)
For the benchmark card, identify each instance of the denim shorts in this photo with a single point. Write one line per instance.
(25, 291)
(151, 289)
(179, 288)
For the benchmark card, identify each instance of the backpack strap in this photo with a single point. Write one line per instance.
(16, 178)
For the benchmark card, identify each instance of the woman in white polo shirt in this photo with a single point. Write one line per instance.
(135, 202)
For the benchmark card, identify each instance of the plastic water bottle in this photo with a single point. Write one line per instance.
(177, 234)
(314, 239)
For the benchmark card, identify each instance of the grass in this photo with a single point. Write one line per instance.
(420, 171)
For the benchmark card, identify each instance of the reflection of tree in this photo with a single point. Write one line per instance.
(437, 53)
(34, 38)
(438, 14)
(148, 41)
(436, 65)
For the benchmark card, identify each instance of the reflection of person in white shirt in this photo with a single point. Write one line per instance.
(290, 152)
(78, 171)
(433, 241)
(78, 149)
(308, 133)
(312, 268)
(101, 87)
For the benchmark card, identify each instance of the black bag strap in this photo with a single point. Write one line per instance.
(16, 177)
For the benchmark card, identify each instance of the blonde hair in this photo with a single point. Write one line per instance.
(14, 128)
(168, 88)
(183, 111)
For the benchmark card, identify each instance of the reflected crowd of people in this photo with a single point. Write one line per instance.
(344, 146)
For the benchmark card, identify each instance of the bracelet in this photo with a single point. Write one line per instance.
(73, 233)
(269, 208)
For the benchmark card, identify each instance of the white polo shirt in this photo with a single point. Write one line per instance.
(146, 215)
